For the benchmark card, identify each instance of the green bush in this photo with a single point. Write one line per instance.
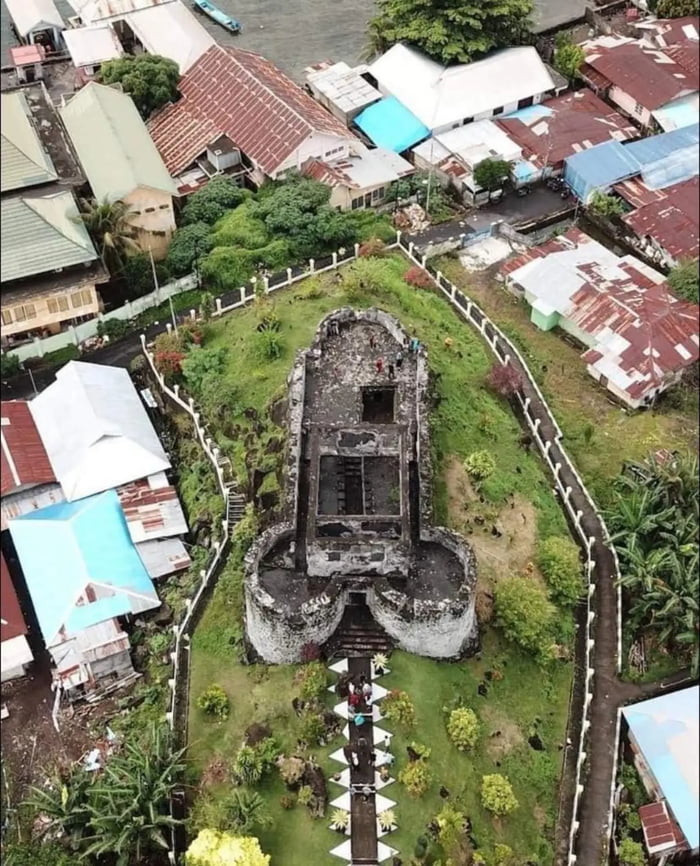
(249, 766)
(559, 560)
(268, 345)
(240, 228)
(312, 726)
(202, 365)
(497, 795)
(525, 614)
(305, 795)
(312, 680)
(416, 776)
(210, 203)
(480, 465)
(215, 702)
(463, 728)
(9, 365)
(397, 707)
(114, 329)
(631, 853)
(187, 244)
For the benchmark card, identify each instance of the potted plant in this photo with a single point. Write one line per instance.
(387, 820)
(340, 821)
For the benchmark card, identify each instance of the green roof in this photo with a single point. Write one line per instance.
(40, 234)
(24, 161)
(113, 144)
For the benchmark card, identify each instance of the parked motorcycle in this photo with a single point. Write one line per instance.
(522, 191)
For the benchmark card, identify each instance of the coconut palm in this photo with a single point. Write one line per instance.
(108, 223)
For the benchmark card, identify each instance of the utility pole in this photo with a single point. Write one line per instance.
(432, 146)
(31, 376)
(157, 288)
(196, 263)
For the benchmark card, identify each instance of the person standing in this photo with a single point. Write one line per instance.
(379, 364)
(391, 372)
(399, 360)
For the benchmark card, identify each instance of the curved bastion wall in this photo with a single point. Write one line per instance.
(298, 577)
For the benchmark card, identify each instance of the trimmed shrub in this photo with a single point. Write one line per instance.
(417, 778)
(497, 794)
(480, 465)
(397, 707)
(418, 278)
(214, 701)
(463, 728)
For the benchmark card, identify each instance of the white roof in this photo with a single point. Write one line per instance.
(374, 167)
(432, 151)
(91, 11)
(31, 15)
(15, 654)
(95, 430)
(478, 141)
(441, 96)
(343, 86)
(171, 30)
(89, 46)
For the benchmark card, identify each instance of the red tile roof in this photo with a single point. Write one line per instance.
(650, 76)
(672, 220)
(24, 461)
(577, 121)
(660, 832)
(242, 95)
(12, 622)
(685, 55)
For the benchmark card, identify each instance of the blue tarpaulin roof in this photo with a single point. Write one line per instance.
(670, 158)
(666, 732)
(66, 547)
(389, 124)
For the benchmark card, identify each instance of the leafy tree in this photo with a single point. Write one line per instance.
(480, 465)
(497, 794)
(568, 58)
(463, 728)
(9, 365)
(631, 853)
(214, 701)
(187, 243)
(559, 560)
(149, 79)
(450, 30)
(108, 223)
(525, 614)
(489, 174)
(212, 848)
(676, 8)
(684, 280)
(210, 203)
(606, 205)
(202, 365)
(504, 379)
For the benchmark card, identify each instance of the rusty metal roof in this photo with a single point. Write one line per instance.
(24, 461)
(12, 622)
(672, 219)
(152, 508)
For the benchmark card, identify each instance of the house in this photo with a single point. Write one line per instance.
(443, 98)
(163, 27)
(37, 21)
(90, 47)
(653, 86)
(343, 91)
(389, 124)
(455, 154)
(359, 181)
(121, 162)
(98, 436)
(15, 653)
(50, 268)
(664, 222)
(660, 160)
(268, 121)
(662, 736)
(83, 574)
(550, 132)
(639, 337)
(664, 32)
(28, 62)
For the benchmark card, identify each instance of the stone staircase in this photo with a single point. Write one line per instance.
(235, 508)
(357, 635)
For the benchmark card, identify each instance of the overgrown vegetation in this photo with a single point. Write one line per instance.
(684, 280)
(149, 79)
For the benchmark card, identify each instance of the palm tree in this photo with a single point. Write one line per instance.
(247, 812)
(108, 223)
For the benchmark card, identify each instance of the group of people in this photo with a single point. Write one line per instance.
(411, 345)
(360, 699)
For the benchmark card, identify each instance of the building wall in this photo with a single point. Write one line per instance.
(15, 655)
(49, 311)
(153, 217)
(630, 106)
(342, 196)
(486, 115)
(544, 323)
(317, 145)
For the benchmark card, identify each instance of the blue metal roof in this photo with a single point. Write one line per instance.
(666, 732)
(65, 547)
(391, 125)
(655, 147)
(532, 112)
(599, 167)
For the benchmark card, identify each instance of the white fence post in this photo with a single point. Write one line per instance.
(335, 260)
(289, 276)
(312, 265)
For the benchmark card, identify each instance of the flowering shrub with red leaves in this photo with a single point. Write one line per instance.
(418, 278)
(169, 363)
(504, 380)
(310, 652)
(372, 247)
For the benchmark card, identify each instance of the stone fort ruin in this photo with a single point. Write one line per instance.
(359, 541)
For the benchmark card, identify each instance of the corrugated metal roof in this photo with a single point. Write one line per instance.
(659, 831)
(389, 124)
(41, 233)
(12, 622)
(33, 15)
(672, 219)
(342, 86)
(24, 161)
(163, 556)
(113, 144)
(655, 147)
(102, 10)
(240, 94)
(96, 430)
(80, 565)
(23, 501)
(152, 508)
(89, 46)
(25, 462)
(172, 31)
(666, 732)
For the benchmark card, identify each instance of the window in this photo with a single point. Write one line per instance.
(525, 103)
(498, 110)
(81, 299)
(165, 207)
(26, 311)
(468, 120)
(357, 203)
(638, 109)
(6, 317)
(378, 194)
(149, 210)
(57, 305)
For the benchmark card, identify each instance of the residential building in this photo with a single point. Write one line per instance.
(389, 124)
(655, 87)
(163, 27)
(121, 162)
(359, 181)
(660, 160)
(343, 91)
(664, 32)
(443, 98)
(266, 121)
(639, 337)
(15, 653)
(550, 132)
(455, 154)
(90, 47)
(50, 269)
(37, 21)
(84, 575)
(662, 738)
(28, 62)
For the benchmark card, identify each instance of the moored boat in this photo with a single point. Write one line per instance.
(221, 18)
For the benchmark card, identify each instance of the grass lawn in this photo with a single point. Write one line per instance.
(594, 427)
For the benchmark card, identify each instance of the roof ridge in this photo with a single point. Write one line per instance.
(51, 171)
(27, 201)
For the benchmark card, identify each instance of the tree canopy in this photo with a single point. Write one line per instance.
(108, 223)
(684, 280)
(149, 79)
(676, 8)
(210, 203)
(212, 848)
(490, 173)
(568, 59)
(525, 614)
(450, 31)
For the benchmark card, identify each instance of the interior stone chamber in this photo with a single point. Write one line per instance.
(359, 497)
